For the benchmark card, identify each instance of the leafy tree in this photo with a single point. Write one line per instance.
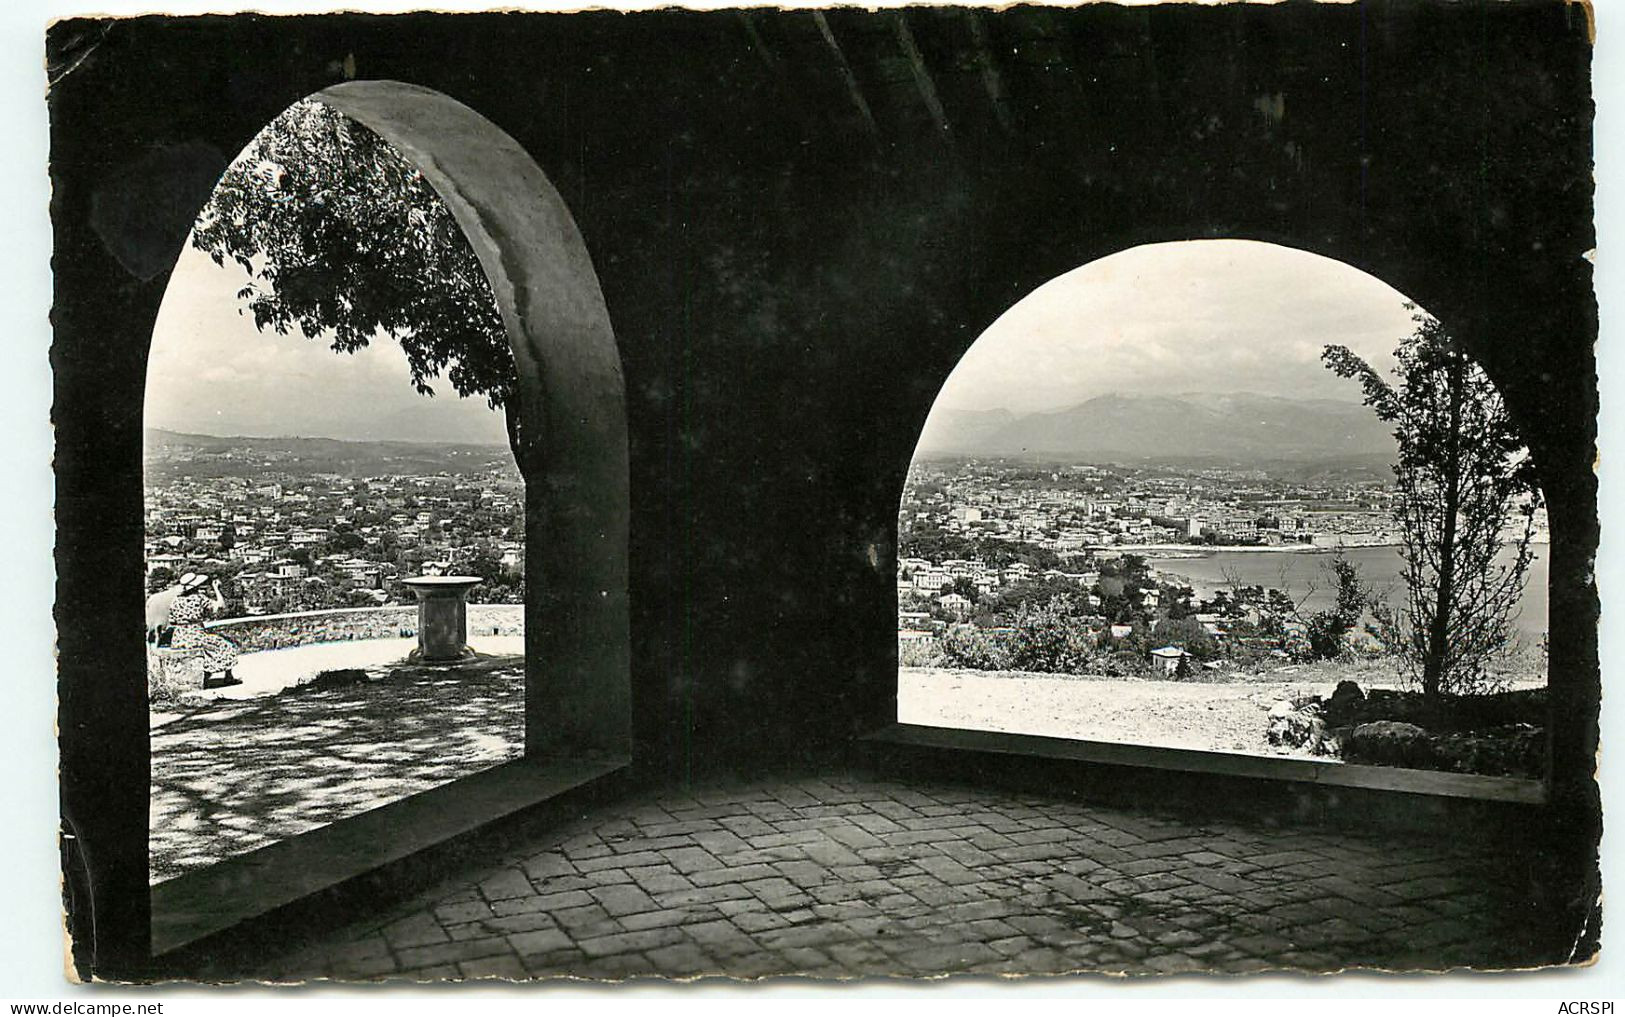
(484, 564)
(1122, 608)
(970, 647)
(1051, 637)
(1183, 670)
(161, 578)
(1328, 629)
(1464, 478)
(1187, 634)
(939, 545)
(1180, 600)
(1010, 599)
(346, 540)
(344, 240)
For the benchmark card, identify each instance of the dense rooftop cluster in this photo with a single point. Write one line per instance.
(1071, 508)
(995, 557)
(281, 538)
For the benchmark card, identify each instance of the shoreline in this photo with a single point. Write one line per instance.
(1178, 551)
(1204, 550)
(1175, 552)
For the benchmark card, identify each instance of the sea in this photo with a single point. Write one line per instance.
(1380, 567)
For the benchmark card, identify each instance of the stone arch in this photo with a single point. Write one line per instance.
(574, 457)
(1041, 271)
(1425, 282)
(573, 450)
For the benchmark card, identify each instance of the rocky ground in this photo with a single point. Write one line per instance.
(1229, 713)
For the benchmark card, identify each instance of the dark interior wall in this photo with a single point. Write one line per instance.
(800, 222)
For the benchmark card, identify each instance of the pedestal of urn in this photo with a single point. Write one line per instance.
(442, 618)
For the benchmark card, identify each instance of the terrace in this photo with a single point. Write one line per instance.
(846, 875)
(750, 580)
(330, 722)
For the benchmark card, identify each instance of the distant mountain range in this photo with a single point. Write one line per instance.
(198, 455)
(1241, 426)
(430, 421)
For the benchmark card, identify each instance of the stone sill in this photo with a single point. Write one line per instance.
(1321, 772)
(189, 907)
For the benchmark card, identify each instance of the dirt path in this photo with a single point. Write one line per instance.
(1226, 717)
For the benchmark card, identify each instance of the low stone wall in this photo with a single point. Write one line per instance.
(280, 631)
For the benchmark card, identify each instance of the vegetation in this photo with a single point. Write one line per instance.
(1052, 636)
(1465, 481)
(1188, 635)
(1328, 631)
(939, 545)
(345, 241)
(1055, 625)
(1003, 605)
(976, 648)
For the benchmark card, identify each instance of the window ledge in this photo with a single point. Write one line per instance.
(198, 904)
(1322, 772)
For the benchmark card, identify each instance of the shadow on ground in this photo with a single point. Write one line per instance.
(232, 776)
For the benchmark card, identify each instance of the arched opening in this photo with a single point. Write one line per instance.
(786, 308)
(1145, 509)
(301, 487)
(564, 720)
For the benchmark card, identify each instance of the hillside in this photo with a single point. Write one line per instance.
(204, 455)
(1239, 426)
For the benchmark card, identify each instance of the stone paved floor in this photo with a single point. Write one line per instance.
(855, 877)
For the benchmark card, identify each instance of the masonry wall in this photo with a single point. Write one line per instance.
(303, 628)
(798, 237)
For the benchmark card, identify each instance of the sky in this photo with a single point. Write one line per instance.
(31, 960)
(212, 372)
(1189, 316)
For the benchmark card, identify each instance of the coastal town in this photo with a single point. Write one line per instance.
(985, 545)
(1078, 507)
(282, 537)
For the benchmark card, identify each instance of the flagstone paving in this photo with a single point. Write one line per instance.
(844, 878)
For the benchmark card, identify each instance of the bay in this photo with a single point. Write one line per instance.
(1379, 567)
